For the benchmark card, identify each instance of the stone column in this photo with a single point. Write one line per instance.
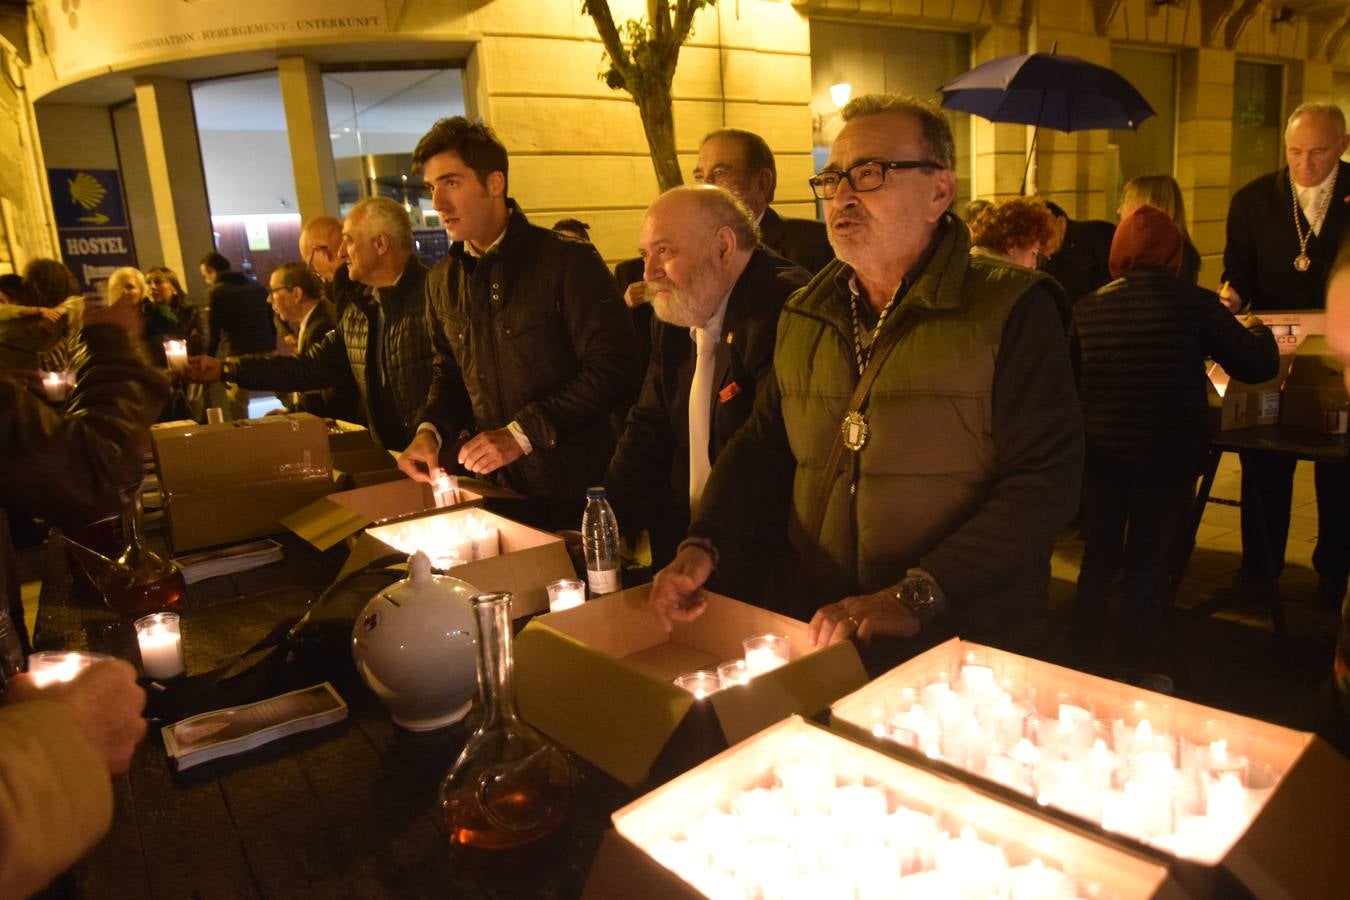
(1204, 151)
(1000, 149)
(177, 182)
(307, 126)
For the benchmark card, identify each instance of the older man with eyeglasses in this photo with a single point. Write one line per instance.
(921, 418)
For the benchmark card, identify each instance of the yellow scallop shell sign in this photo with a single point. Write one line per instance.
(86, 191)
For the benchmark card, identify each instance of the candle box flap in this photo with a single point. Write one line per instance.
(613, 647)
(623, 860)
(364, 467)
(528, 560)
(1293, 848)
(338, 516)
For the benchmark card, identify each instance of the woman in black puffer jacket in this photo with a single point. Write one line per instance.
(1139, 347)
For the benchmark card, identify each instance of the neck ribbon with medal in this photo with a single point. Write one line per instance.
(855, 429)
(1303, 262)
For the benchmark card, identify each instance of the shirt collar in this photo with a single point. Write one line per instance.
(301, 330)
(848, 279)
(468, 247)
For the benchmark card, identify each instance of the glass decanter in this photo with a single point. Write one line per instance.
(140, 580)
(511, 786)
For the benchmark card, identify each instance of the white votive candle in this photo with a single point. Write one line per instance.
(766, 652)
(444, 488)
(486, 543)
(175, 353)
(55, 666)
(161, 640)
(565, 593)
(733, 673)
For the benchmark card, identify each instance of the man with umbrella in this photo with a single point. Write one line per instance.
(1284, 230)
(927, 505)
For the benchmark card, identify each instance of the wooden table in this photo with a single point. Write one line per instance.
(346, 811)
(1286, 440)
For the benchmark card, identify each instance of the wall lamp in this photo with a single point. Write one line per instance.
(840, 92)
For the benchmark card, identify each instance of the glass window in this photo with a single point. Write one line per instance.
(1151, 149)
(246, 158)
(375, 119)
(873, 59)
(1258, 89)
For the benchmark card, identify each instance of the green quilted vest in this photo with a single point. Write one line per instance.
(931, 452)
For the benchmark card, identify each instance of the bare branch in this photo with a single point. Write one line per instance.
(609, 35)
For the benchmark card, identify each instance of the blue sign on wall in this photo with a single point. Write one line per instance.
(91, 223)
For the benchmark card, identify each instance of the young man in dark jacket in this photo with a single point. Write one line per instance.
(1139, 348)
(240, 320)
(531, 324)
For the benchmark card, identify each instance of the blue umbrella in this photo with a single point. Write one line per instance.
(1047, 90)
(1050, 91)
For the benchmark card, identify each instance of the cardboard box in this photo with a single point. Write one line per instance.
(598, 679)
(345, 436)
(345, 514)
(234, 480)
(1288, 850)
(1243, 405)
(1314, 393)
(624, 862)
(365, 467)
(528, 561)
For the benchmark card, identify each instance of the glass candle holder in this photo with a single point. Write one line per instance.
(55, 386)
(160, 637)
(176, 355)
(55, 666)
(766, 652)
(700, 683)
(733, 672)
(566, 593)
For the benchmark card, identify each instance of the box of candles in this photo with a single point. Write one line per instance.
(1218, 795)
(604, 679)
(489, 551)
(236, 480)
(799, 812)
(343, 515)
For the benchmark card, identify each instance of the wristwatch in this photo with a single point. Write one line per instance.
(916, 594)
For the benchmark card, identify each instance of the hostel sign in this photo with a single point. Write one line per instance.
(91, 223)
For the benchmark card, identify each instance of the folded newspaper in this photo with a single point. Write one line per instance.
(228, 560)
(238, 729)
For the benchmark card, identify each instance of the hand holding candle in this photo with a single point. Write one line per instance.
(55, 386)
(175, 352)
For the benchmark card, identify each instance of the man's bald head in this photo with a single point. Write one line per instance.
(320, 241)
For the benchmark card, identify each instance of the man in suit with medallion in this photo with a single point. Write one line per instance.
(716, 294)
(1284, 230)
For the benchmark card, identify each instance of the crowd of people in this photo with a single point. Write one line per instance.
(879, 424)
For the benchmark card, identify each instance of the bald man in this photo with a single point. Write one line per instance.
(321, 246)
(716, 294)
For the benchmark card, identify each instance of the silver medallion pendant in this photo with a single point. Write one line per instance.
(856, 430)
(1302, 262)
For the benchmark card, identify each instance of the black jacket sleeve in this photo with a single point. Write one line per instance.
(70, 467)
(605, 347)
(639, 472)
(1247, 355)
(1038, 447)
(322, 365)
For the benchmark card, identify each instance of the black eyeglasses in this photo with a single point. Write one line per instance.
(865, 176)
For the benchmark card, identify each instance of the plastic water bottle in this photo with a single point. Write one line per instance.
(600, 540)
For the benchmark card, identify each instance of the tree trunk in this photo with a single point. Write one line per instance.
(658, 123)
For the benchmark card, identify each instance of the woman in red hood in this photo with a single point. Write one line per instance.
(1139, 346)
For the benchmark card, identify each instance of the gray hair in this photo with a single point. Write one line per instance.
(387, 217)
(722, 209)
(129, 273)
(1330, 110)
(937, 132)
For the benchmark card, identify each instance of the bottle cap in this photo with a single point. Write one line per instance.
(593, 493)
